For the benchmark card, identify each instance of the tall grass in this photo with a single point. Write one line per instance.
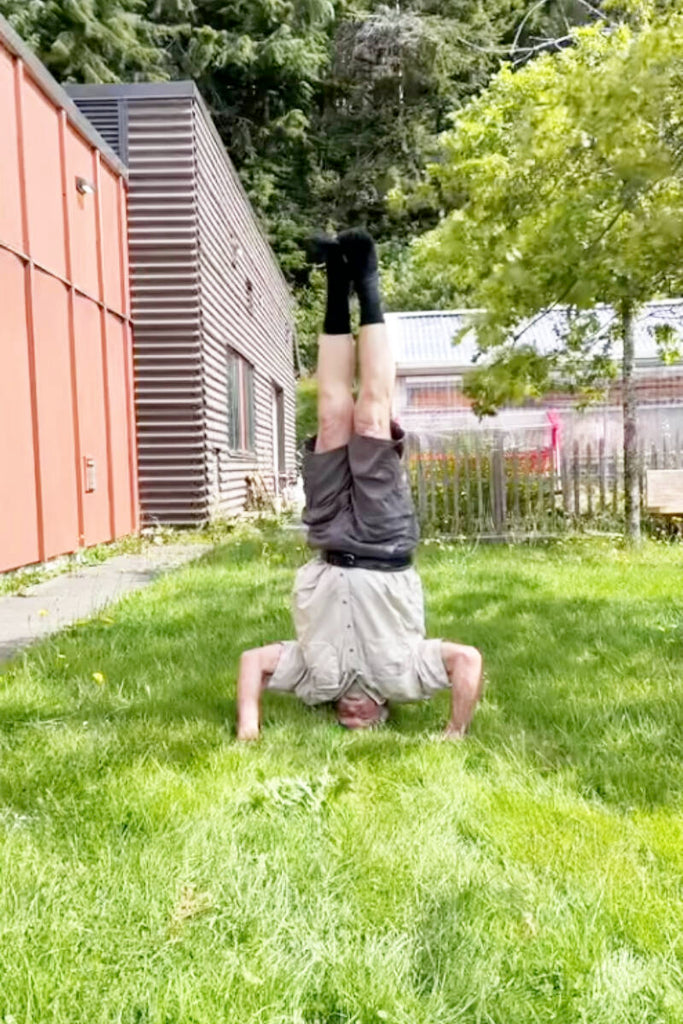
(153, 870)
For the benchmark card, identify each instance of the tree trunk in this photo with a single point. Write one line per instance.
(630, 408)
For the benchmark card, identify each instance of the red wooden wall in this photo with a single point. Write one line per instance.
(68, 475)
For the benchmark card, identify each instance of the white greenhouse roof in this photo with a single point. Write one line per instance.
(423, 341)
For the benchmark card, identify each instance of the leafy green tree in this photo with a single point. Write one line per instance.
(562, 185)
(325, 105)
(263, 83)
(398, 70)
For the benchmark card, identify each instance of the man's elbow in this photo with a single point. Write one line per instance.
(261, 659)
(250, 658)
(459, 658)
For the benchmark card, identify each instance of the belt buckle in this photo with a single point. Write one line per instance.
(348, 560)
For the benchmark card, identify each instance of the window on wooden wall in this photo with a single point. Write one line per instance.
(241, 413)
(434, 393)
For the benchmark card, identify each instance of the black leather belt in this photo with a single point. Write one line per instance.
(346, 560)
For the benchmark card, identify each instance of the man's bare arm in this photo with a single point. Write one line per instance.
(465, 670)
(255, 668)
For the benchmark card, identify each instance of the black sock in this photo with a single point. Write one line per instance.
(322, 249)
(359, 250)
(370, 299)
(337, 311)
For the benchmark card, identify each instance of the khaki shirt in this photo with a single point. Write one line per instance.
(359, 627)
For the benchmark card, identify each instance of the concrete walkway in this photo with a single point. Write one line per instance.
(77, 594)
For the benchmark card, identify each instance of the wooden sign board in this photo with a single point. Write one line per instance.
(665, 491)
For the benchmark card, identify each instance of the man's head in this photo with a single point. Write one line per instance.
(355, 710)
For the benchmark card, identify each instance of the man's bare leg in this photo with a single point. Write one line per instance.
(336, 361)
(464, 666)
(336, 354)
(377, 371)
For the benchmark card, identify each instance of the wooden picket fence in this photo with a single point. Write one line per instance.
(470, 486)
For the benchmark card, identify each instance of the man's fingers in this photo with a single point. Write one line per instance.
(248, 735)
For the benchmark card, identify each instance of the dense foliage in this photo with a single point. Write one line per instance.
(325, 105)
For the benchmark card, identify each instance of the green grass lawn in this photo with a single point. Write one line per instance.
(153, 870)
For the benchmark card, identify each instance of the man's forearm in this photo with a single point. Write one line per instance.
(249, 687)
(464, 667)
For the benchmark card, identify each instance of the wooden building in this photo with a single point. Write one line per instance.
(213, 326)
(67, 440)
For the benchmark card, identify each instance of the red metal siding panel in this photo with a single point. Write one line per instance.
(132, 428)
(10, 199)
(117, 369)
(18, 506)
(123, 233)
(91, 419)
(66, 390)
(82, 214)
(111, 226)
(55, 415)
(43, 182)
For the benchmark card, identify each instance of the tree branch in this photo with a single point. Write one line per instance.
(518, 33)
(529, 51)
(596, 241)
(596, 10)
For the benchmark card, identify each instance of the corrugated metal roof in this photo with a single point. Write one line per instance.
(424, 340)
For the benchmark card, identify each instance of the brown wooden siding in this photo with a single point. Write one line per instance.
(259, 328)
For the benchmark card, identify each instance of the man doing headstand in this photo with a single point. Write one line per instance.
(358, 607)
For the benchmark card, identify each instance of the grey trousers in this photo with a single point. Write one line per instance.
(358, 498)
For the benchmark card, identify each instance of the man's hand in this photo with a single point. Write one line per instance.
(246, 733)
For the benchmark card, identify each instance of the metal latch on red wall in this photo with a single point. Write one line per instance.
(90, 474)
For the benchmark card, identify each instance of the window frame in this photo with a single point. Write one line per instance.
(240, 404)
(438, 382)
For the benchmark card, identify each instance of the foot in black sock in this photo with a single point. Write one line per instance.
(321, 249)
(318, 247)
(359, 250)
